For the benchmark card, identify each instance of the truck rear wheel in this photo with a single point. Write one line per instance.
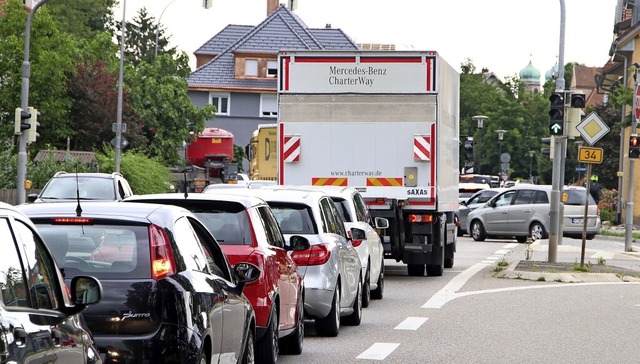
(415, 270)
(436, 270)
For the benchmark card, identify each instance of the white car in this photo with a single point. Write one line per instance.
(355, 213)
(331, 268)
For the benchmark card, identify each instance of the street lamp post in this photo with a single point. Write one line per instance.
(531, 152)
(24, 104)
(158, 26)
(480, 119)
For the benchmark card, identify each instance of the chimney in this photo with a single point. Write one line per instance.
(272, 5)
(327, 26)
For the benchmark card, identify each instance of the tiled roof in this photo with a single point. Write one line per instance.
(282, 30)
(62, 155)
(221, 41)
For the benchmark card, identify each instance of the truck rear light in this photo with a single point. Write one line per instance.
(162, 262)
(420, 218)
(315, 255)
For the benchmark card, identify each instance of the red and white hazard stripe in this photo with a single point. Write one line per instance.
(291, 148)
(422, 147)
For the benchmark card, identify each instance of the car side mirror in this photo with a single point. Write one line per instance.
(85, 290)
(245, 273)
(32, 197)
(358, 234)
(381, 223)
(298, 243)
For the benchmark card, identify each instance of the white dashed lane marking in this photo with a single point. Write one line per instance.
(378, 351)
(411, 323)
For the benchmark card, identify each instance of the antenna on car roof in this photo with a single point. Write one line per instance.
(78, 208)
(186, 186)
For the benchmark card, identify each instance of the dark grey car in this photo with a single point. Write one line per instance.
(40, 319)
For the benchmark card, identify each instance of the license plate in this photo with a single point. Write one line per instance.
(577, 220)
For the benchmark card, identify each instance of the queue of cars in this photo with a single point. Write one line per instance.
(228, 275)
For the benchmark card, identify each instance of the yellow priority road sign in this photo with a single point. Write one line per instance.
(590, 155)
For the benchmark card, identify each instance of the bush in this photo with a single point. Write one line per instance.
(607, 205)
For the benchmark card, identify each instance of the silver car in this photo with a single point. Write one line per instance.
(523, 211)
(355, 213)
(331, 268)
(476, 200)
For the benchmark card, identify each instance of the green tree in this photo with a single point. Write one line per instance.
(145, 175)
(83, 18)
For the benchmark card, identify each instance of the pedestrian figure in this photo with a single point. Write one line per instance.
(596, 188)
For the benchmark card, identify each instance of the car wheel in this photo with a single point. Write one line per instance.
(537, 232)
(477, 231)
(249, 354)
(521, 239)
(356, 317)
(415, 270)
(330, 325)
(590, 236)
(202, 358)
(268, 347)
(366, 289)
(294, 342)
(378, 293)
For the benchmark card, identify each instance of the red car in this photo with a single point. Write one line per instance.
(247, 231)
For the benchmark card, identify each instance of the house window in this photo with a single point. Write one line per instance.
(268, 105)
(251, 67)
(221, 102)
(272, 69)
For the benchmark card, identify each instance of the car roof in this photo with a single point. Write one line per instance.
(334, 191)
(107, 209)
(212, 195)
(63, 174)
(282, 194)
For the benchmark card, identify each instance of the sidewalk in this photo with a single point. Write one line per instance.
(605, 257)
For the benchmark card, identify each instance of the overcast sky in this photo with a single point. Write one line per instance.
(502, 35)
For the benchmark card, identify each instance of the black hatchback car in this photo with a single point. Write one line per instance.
(169, 293)
(40, 319)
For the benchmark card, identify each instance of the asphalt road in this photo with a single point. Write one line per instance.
(470, 316)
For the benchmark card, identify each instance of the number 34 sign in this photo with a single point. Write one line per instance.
(590, 155)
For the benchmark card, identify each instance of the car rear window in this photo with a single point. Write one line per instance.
(577, 197)
(103, 251)
(90, 188)
(294, 218)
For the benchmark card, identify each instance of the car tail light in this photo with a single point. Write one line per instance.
(420, 218)
(315, 255)
(162, 263)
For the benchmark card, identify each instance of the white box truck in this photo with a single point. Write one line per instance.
(386, 123)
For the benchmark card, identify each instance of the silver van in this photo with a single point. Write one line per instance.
(523, 211)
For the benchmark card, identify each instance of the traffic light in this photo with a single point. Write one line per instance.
(468, 148)
(634, 146)
(22, 121)
(547, 151)
(578, 101)
(32, 132)
(556, 112)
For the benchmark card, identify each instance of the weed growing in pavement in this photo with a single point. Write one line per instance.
(518, 275)
(585, 268)
(559, 280)
(553, 271)
(601, 261)
(497, 269)
(607, 270)
(541, 279)
(503, 262)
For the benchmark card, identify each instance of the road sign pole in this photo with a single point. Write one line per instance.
(628, 226)
(586, 214)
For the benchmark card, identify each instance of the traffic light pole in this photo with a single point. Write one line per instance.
(24, 104)
(628, 225)
(555, 227)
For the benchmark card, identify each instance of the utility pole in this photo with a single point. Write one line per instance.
(628, 225)
(560, 143)
(24, 104)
